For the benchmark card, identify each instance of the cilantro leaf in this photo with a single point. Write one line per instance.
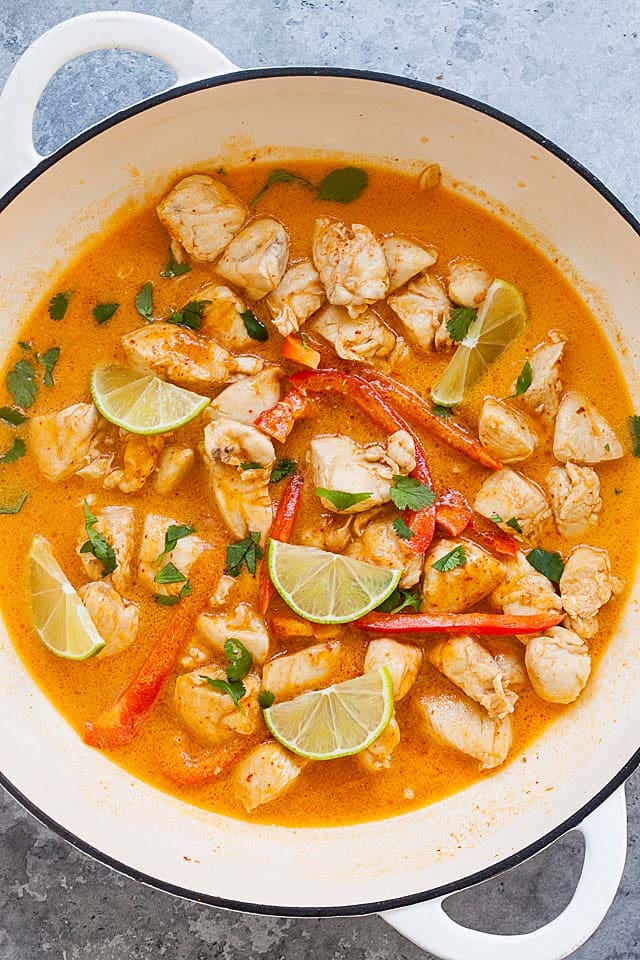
(403, 531)
(440, 411)
(175, 532)
(280, 176)
(247, 551)
(634, 423)
(190, 315)
(455, 558)
(281, 469)
(340, 499)
(170, 600)
(24, 346)
(48, 360)
(343, 185)
(399, 600)
(144, 301)
(12, 416)
(174, 268)
(524, 380)
(97, 544)
(6, 508)
(550, 565)
(234, 688)
(254, 327)
(22, 384)
(266, 699)
(513, 523)
(239, 658)
(104, 311)
(496, 518)
(459, 322)
(58, 305)
(254, 465)
(408, 493)
(169, 574)
(15, 452)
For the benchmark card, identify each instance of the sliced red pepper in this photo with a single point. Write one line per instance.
(186, 770)
(495, 540)
(453, 512)
(280, 419)
(416, 408)
(294, 348)
(281, 529)
(495, 624)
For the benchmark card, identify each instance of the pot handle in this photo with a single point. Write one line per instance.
(189, 56)
(605, 837)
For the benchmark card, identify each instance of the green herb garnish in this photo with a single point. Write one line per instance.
(174, 268)
(175, 532)
(104, 311)
(7, 508)
(281, 176)
(524, 380)
(340, 499)
(15, 452)
(455, 558)
(399, 600)
(513, 523)
(403, 531)
(254, 465)
(410, 494)
(281, 469)
(247, 551)
(343, 185)
(266, 699)
(234, 688)
(459, 322)
(440, 411)
(22, 384)
(170, 600)
(190, 315)
(144, 301)
(12, 416)
(169, 574)
(239, 659)
(496, 518)
(58, 305)
(550, 565)
(48, 359)
(254, 327)
(97, 544)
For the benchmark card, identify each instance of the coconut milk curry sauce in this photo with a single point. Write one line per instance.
(465, 702)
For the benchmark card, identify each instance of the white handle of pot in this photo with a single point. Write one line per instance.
(189, 56)
(605, 837)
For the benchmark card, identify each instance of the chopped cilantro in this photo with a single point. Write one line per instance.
(22, 384)
(97, 544)
(440, 411)
(513, 523)
(403, 531)
(12, 416)
(234, 688)
(266, 699)
(7, 508)
(175, 532)
(634, 423)
(281, 469)
(254, 327)
(455, 558)
(340, 499)
(550, 565)
(169, 574)
(399, 600)
(239, 659)
(524, 380)
(15, 452)
(190, 315)
(459, 322)
(343, 185)
(104, 311)
(254, 465)
(48, 359)
(174, 268)
(496, 518)
(247, 551)
(58, 305)
(144, 301)
(410, 494)
(280, 176)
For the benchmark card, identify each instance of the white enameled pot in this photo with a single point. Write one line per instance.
(573, 777)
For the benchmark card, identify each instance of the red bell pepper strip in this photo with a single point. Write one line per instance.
(294, 348)
(119, 724)
(422, 522)
(453, 512)
(186, 770)
(280, 419)
(495, 540)
(413, 406)
(281, 529)
(494, 624)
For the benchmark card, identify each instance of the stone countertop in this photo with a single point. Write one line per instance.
(569, 68)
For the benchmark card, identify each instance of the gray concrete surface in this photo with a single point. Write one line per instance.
(569, 68)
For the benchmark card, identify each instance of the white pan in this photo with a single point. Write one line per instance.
(573, 776)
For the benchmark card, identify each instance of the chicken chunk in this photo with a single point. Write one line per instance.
(178, 354)
(468, 282)
(210, 714)
(575, 498)
(508, 495)
(582, 434)
(505, 432)
(558, 665)
(115, 618)
(424, 310)
(153, 559)
(525, 592)
(331, 533)
(308, 669)
(60, 441)
(544, 393)
(462, 724)
(299, 294)
(340, 463)
(265, 773)
(222, 317)
(243, 624)
(116, 524)
(466, 663)
(242, 496)
(586, 585)
(364, 338)
(174, 464)
(247, 398)
(402, 660)
(257, 258)
(202, 214)
(139, 460)
(405, 258)
(513, 669)
(379, 544)
(351, 264)
(459, 589)
(378, 756)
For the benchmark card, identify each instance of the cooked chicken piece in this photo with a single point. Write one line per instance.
(340, 463)
(265, 774)
(178, 354)
(558, 664)
(466, 663)
(582, 435)
(257, 258)
(423, 309)
(459, 589)
(247, 398)
(115, 618)
(575, 498)
(379, 544)
(202, 214)
(174, 464)
(525, 591)
(103, 449)
(308, 669)
(586, 585)
(220, 595)
(139, 460)
(511, 663)
(328, 533)
(210, 714)
(544, 393)
(242, 496)
(508, 495)
(222, 317)
(244, 624)
(364, 339)
(378, 755)
(402, 660)
(351, 264)
(462, 724)
(405, 258)
(152, 557)
(468, 282)
(299, 294)
(505, 432)
(116, 524)
(60, 441)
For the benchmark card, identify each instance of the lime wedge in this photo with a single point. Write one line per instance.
(327, 587)
(336, 722)
(61, 621)
(140, 403)
(501, 318)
